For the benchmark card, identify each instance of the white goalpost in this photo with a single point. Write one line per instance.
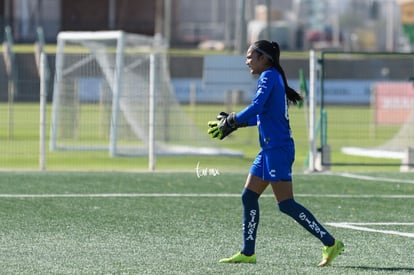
(312, 111)
(112, 91)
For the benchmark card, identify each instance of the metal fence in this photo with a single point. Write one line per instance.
(365, 111)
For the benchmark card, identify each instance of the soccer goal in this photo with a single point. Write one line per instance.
(371, 108)
(112, 91)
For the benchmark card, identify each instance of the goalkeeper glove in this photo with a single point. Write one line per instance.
(224, 127)
(222, 115)
(213, 125)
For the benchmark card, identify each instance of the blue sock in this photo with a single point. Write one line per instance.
(250, 202)
(307, 220)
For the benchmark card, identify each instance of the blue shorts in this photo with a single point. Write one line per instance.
(274, 164)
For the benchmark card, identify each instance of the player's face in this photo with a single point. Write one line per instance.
(255, 62)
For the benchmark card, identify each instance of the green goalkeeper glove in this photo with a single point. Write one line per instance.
(222, 115)
(213, 125)
(225, 125)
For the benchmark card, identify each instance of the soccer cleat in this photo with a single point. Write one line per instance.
(329, 253)
(239, 258)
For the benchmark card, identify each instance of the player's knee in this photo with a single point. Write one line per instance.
(249, 196)
(287, 206)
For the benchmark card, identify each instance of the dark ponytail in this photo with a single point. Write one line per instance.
(272, 51)
(291, 94)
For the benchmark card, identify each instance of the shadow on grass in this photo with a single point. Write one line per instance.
(385, 269)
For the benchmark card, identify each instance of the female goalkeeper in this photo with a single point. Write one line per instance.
(273, 165)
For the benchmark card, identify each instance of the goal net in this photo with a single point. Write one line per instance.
(112, 91)
(393, 106)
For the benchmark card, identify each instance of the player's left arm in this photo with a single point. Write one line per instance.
(264, 88)
(248, 116)
(224, 125)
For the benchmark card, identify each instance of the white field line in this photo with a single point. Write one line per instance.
(192, 195)
(370, 178)
(359, 227)
(355, 226)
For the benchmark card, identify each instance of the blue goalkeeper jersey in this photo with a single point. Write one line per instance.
(269, 111)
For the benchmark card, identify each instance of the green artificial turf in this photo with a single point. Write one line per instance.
(179, 223)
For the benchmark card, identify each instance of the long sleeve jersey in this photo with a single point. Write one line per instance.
(269, 111)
